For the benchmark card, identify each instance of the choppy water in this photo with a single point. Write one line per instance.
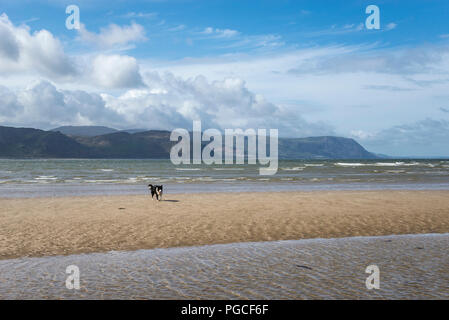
(411, 267)
(78, 177)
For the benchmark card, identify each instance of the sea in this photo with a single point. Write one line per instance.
(50, 177)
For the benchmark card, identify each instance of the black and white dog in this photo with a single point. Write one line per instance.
(155, 190)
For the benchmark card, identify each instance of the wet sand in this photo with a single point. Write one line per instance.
(72, 225)
(411, 267)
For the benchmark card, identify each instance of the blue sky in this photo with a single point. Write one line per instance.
(170, 23)
(304, 67)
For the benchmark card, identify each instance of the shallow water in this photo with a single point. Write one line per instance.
(36, 178)
(411, 267)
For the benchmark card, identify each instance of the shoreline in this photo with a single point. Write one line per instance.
(218, 246)
(36, 227)
(43, 191)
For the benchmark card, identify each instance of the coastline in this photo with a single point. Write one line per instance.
(37, 227)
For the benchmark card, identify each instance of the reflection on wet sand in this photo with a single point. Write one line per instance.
(411, 266)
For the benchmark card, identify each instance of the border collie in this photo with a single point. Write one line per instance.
(155, 190)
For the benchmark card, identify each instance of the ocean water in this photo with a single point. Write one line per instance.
(29, 178)
(411, 267)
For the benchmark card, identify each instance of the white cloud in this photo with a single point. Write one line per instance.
(116, 71)
(391, 26)
(220, 33)
(335, 30)
(140, 15)
(9, 105)
(44, 106)
(113, 36)
(174, 102)
(168, 102)
(39, 52)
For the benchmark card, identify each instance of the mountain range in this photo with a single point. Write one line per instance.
(108, 143)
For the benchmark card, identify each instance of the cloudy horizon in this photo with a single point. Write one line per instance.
(305, 68)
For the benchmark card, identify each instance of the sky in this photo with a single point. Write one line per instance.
(306, 68)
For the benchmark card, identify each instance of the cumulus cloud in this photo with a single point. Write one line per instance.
(171, 102)
(116, 71)
(39, 53)
(42, 105)
(23, 51)
(113, 35)
(167, 103)
(9, 105)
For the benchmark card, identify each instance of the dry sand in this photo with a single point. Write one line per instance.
(60, 226)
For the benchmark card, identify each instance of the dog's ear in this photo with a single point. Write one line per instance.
(150, 185)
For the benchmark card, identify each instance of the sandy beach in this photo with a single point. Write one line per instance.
(73, 225)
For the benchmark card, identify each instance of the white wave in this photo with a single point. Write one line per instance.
(204, 179)
(411, 164)
(107, 170)
(349, 164)
(388, 164)
(233, 169)
(46, 178)
(293, 169)
(188, 169)
(101, 181)
(314, 164)
(395, 171)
